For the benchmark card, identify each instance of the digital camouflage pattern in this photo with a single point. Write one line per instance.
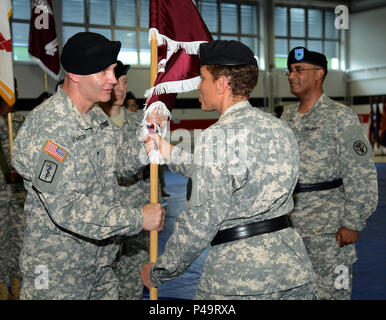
(73, 204)
(332, 266)
(332, 145)
(134, 251)
(12, 217)
(246, 177)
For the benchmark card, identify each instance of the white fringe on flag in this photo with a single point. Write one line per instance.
(159, 107)
(187, 85)
(191, 47)
(174, 86)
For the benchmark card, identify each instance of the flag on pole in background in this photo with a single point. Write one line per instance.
(7, 87)
(179, 29)
(382, 134)
(43, 43)
(371, 125)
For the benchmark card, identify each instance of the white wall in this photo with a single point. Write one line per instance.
(368, 39)
(367, 52)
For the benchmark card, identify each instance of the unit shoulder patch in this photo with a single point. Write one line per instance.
(360, 147)
(48, 171)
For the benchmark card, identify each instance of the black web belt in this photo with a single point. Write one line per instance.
(308, 187)
(252, 229)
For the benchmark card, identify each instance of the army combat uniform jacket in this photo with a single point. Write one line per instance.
(245, 169)
(70, 162)
(332, 145)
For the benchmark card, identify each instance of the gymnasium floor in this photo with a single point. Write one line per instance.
(369, 276)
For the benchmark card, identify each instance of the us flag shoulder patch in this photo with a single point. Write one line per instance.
(55, 151)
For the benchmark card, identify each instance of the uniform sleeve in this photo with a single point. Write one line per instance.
(181, 162)
(208, 200)
(358, 173)
(131, 155)
(64, 197)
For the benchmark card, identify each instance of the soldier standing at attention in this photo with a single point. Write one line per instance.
(239, 192)
(69, 154)
(337, 189)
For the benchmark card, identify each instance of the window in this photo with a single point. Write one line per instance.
(123, 20)
(229, 20)
(21, 13)
(313, 28)
(128, 22)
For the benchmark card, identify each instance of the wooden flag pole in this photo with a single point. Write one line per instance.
(153, 166)
(10, 132)
(45, 82)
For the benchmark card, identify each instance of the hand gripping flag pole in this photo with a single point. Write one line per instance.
(176, 30)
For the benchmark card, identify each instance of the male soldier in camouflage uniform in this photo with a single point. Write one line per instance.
(337, 188)
(134, 250)
(12, 217)
(239, 193)
(69, 155)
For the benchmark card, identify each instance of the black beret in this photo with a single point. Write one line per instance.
(88, 52)
(121, 69)
(301, 54)
(226, 53)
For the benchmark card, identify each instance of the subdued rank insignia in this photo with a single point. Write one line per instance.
(360, 147)
(104, 124)
(48, 171)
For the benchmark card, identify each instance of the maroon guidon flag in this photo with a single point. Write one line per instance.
(179, 30)
(43, 43)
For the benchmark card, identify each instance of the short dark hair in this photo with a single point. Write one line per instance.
(242, 78)
(130, 95)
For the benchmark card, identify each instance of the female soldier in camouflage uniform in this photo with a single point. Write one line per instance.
(239, 192)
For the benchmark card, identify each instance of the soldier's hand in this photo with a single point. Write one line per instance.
(346, 236)
(14, 177)
(154, 142)
(153, 217)
(145, 274)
